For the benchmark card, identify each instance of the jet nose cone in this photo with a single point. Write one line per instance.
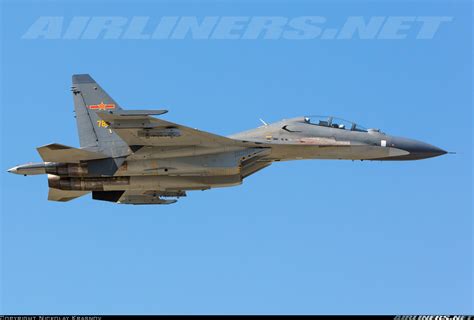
(426, 149)
(417, 149)
(435, 151)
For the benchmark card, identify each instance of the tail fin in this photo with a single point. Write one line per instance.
(94, 135)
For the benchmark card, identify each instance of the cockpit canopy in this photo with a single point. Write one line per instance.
(333, 122)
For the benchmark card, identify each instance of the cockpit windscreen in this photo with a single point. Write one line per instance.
(333, 122)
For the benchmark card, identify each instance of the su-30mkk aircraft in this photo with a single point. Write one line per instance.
(128, 156)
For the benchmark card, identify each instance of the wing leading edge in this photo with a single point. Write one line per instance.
(143, 130)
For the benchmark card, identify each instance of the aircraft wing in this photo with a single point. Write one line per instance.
(137, 196)
(142, 130)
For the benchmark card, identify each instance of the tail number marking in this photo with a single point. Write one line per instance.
(102, 124)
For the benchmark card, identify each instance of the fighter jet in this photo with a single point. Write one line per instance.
(131, 157)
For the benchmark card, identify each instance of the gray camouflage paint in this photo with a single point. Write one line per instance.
(127, 156)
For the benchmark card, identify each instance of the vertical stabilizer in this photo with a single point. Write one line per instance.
(94, 133)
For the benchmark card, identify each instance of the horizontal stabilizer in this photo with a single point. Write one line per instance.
(60, 153)
(131, 113)
(64, 195)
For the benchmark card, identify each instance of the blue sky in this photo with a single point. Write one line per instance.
(299, 237)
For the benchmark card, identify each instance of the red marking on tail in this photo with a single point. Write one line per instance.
(102, 106)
